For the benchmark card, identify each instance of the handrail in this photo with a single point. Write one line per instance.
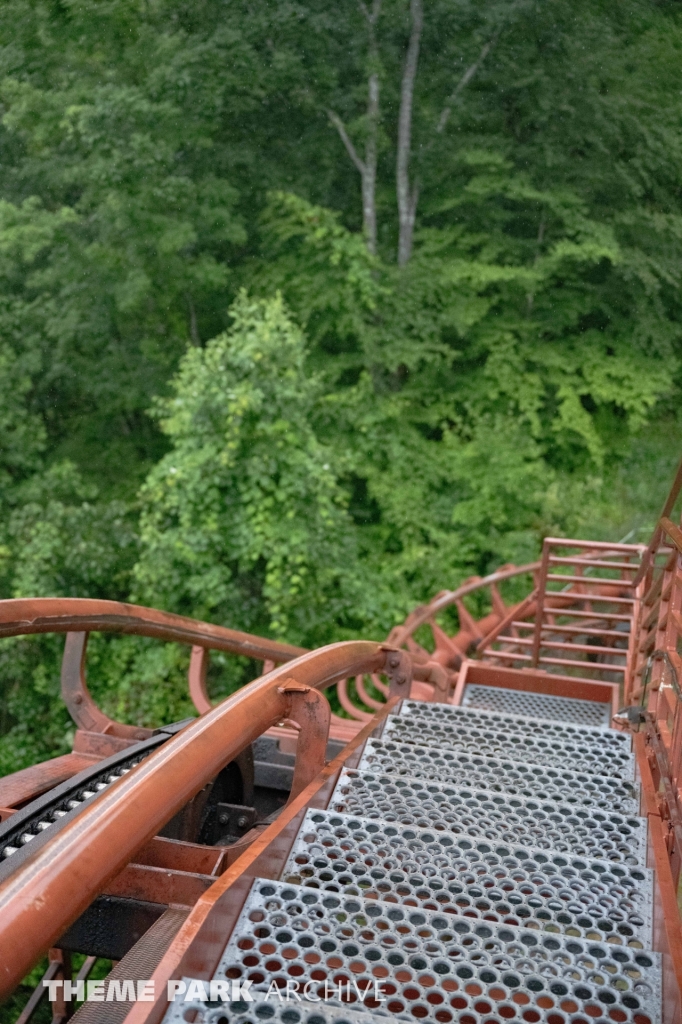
(446, 598)
(659, 529)
(423, 613)
(20, 616)
(58, 880)
(200, 919)
(520, 609)
(672, 531)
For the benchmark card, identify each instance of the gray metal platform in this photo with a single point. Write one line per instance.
(508, 883)
(478, 812)
(432, 965)
(598, 751)
(500, 774)
(478, 867)
(537, 705)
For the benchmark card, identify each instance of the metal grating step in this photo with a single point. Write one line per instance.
(537, 705)
(512, 819)
(284, 1011)
(600, 751)
(510, 884)
(501, 775)
(434, 966)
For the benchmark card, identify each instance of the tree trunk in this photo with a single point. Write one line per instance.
(369, 177)
(407, 195)
(368, 166)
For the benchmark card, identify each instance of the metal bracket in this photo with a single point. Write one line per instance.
(398, 668)
(76, 695)
(310, 710)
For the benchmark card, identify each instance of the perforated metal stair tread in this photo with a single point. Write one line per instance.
(507, 883)
(262, 1011)
(433, 965)
(598, 751)
(475, 812)
(501, 775)
(537, 705)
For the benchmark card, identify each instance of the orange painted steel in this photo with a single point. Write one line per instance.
(76, 695)
(654, 681)
(28, 783)
(198, 944)
(656, 537)
(56, 883)
(22, 616)
(78, 617)
(554, 634)
(425, 613)
(534, 681)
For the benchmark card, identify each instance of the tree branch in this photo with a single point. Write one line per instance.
(373, 15)
(368, 166)
(464, 81)
(345, 138)
(407, 198)
(369, 178)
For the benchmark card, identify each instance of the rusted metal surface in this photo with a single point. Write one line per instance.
(667, 924)
(422, 615)
(59, 881)
(166, 886)
(53, 971)
(24, 785)
(23, 616)
(311, 710)
(656, 537)
(196, 678)
(198, 945)
(182, 856)
(76, 695)
(600, 620)
(477, 672)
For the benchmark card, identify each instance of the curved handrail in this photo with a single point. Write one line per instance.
(659, 530)
(82, 615)
(61, 878)
(446, 598)
(20, 616)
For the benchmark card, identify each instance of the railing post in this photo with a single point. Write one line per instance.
(76, 695)
(196, 678)
(311, 710)
(540, 606)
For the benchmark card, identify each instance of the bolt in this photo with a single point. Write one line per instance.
(223, 818)
(401, 680)
(78, 699)
(242, 821)
(394, 661)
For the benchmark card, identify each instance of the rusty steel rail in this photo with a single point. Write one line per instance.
(204, 917)
(77, 617)
(446, 598)
(22, 616)
(57, 882)
(657, 535)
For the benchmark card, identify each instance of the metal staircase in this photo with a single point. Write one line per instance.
(495, 843)
(465, 904)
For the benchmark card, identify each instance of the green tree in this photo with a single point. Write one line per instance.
(244, 518)
(472, 214)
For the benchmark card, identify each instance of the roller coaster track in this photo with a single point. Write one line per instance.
(486, 829)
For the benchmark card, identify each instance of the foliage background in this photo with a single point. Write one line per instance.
(215, 398)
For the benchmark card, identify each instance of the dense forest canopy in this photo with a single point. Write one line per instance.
(309, 310)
